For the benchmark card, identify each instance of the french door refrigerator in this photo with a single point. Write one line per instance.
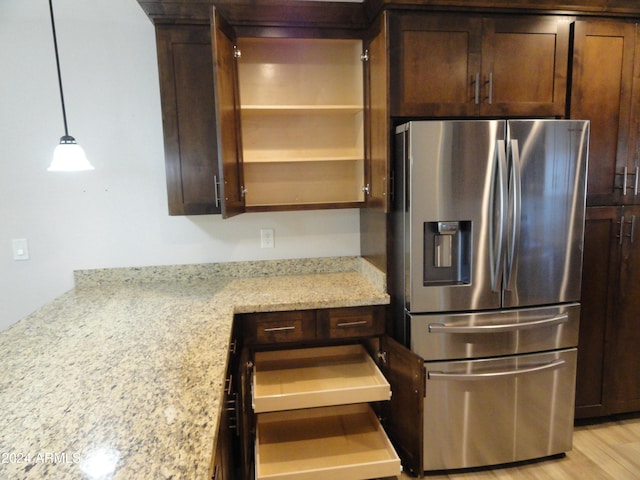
(488, 221)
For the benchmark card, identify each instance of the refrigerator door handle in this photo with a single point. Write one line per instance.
(499, 328)
(515, 209)
(497, 240)
(502, 374)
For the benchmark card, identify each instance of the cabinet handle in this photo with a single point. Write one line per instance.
(624, 181)
(476, 88)
(508, 327)
(351, 324)
(229, 382)
(635, 182)
(621, 233)
(278, 329)
(502, 374)
(490, 82)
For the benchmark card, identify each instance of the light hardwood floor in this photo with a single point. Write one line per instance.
(601, 451)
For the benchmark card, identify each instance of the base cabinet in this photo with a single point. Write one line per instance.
(313, 391)
(608, 380)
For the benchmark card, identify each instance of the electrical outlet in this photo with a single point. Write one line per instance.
(20, 249)
(267, 238)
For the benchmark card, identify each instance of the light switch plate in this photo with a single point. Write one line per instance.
(267, 239)
(20, 249)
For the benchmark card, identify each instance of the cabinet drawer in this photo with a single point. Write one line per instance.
(350, 322)
(316, 377)
(333, 442)
(279, 327)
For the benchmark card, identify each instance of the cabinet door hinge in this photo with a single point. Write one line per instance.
(367, 189)
(216, 190)
(237, 53)
(364, 57)
(382, 357)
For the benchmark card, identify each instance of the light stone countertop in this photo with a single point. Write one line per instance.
(121, 377)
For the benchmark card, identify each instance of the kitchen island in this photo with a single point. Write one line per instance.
(122, 376)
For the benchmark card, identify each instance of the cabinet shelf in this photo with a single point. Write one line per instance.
(315, 377)
(296, 157)
(343, 442)
(301, 109)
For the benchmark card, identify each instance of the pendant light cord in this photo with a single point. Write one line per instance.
(55, 46)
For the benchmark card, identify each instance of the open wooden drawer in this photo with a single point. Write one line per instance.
(316, 377)
(341, 443)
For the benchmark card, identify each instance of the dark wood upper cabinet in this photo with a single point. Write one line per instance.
(186, 87)
(465, 65)
(604, 91)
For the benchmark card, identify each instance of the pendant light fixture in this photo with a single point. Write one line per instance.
(68, 155)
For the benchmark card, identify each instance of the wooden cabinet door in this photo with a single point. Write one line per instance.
(378, 123)
(227, 109)
(524, 66)
(602, 93)
(624, 346)
(435, 65)
(599, 283)
(186, 87)
(405, 372)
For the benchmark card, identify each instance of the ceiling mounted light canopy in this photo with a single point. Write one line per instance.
(68, 155)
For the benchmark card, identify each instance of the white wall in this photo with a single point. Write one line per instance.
(116, 215)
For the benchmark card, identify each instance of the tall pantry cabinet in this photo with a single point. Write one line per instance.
(606, 90)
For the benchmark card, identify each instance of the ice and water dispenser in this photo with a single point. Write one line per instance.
(447, 253)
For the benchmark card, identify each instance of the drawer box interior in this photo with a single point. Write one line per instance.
(341, 443)
(316, 377)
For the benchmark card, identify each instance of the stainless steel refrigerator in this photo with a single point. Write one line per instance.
(488, 221)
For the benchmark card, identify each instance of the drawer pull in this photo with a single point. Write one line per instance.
(279, 329)
(352, 324)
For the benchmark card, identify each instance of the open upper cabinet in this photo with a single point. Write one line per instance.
(273, 119)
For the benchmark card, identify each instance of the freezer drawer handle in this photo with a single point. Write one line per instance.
(507, 327)
(504, 374)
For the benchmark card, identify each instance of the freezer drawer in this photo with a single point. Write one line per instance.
(493, 411)
(490, 334)
(340, 443)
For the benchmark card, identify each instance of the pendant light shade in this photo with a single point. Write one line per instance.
(68, 156)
